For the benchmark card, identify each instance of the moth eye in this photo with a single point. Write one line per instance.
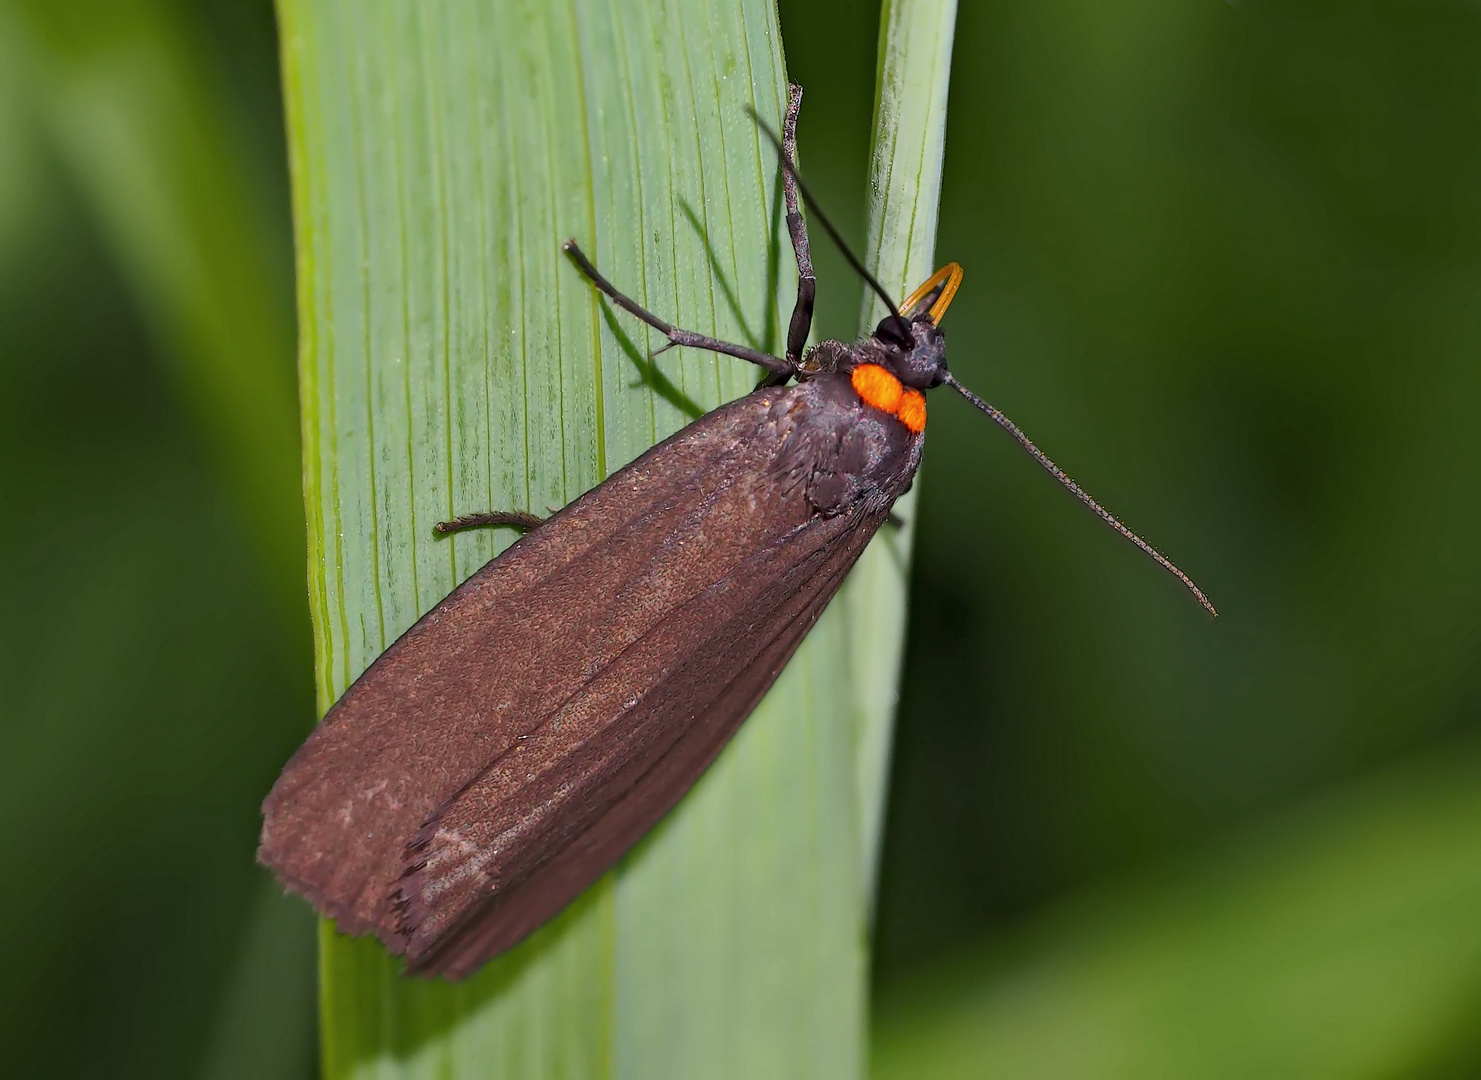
(895, 332)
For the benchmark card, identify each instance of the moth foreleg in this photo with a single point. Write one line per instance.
(675, 335)
(517, 519)
(807, 283)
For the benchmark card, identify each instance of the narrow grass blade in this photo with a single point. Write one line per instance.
(909, 136)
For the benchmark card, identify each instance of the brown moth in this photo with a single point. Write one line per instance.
(531, 727)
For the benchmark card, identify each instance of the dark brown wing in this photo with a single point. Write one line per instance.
(547, 818)
(617, 648)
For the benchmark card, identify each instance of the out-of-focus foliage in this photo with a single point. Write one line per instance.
(153, 637)
(1222, 263)
(1339, 940)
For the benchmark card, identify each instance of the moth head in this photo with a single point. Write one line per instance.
(914, 340)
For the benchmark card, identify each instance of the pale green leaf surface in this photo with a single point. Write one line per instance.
(452, 360)
(1339, 940)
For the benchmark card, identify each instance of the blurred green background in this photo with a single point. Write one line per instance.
(1223, 263)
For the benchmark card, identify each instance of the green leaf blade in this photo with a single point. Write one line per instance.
(452, 360)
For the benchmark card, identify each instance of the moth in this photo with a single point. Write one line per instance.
(531, 727)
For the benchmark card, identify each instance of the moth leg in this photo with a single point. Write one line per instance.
(515, 518)
(807, 282)
(676, 336)
(895, 521)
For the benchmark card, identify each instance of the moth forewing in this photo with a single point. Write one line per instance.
(529, 729)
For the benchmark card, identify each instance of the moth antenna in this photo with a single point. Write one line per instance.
(1077, 491)
(833, 233)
